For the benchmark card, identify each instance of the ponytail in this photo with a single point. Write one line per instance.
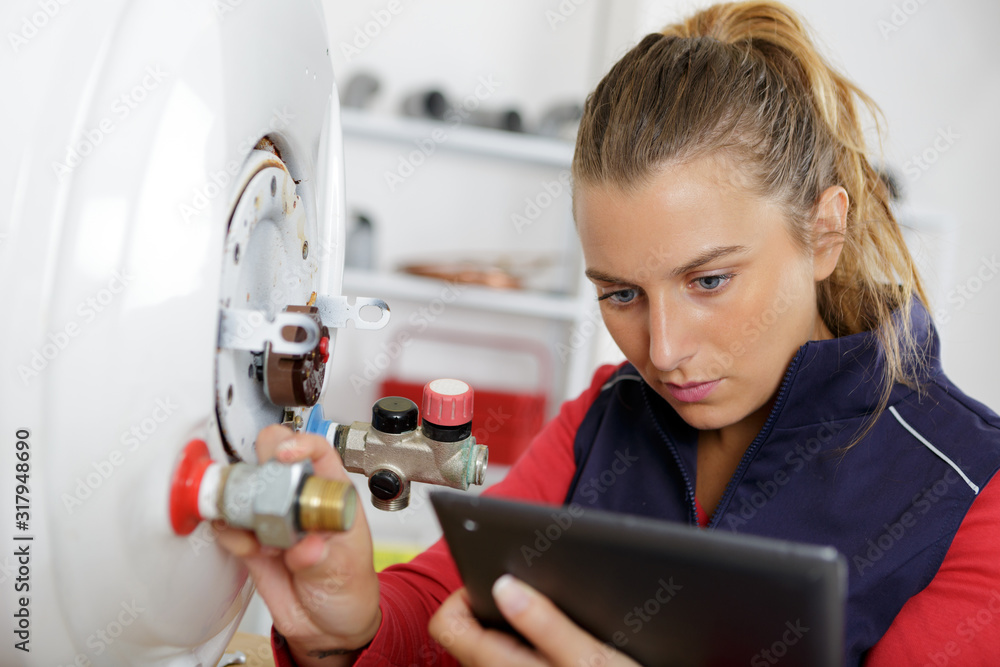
(745, 79)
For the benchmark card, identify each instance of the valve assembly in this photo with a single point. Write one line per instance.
(281, 503)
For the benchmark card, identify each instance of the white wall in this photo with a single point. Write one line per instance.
(451, 43)
(933, 71)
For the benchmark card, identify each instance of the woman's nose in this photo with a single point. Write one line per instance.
(671, 340)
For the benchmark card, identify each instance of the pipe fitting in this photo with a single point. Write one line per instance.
(279, 502)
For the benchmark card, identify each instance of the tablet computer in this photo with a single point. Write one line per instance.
(660, 592)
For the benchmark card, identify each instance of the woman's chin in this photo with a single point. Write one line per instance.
(702, 415)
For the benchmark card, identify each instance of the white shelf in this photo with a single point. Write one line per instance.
(423, 290)
(478, 141)
(574, 311)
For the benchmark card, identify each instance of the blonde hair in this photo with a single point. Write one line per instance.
(744, 80)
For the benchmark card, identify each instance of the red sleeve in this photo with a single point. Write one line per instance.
(956, 619)
(412, 592)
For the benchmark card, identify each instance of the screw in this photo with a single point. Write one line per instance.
(274, 185)
(305, 249)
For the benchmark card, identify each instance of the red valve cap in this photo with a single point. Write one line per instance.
(447, 402)
(184, 516)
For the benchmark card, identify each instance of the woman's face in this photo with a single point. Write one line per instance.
(702, 287)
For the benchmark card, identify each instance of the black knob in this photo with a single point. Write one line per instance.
(394, 414)
(385, 484)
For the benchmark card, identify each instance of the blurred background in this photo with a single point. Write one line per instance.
(930, 66)
(458, 128)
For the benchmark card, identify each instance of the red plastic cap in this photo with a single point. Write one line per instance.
(447, 402)
(184, 516)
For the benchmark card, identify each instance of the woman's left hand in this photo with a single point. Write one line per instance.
(556, 640)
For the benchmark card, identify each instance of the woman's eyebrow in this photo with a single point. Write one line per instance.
(709, 255)
(603, 277)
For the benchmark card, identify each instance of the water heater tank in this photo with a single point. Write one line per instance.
(172, 196)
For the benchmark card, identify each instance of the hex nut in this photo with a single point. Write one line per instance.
(275, 505)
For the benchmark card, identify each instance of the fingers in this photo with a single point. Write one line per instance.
(323, 591)
(240, 543)
(331, 560)
(456, 629)
(557, 638)
(325, 566)
(318, 556)
(279, 442)
(269, 438)
(308, 556)
(324, 594)
(275, 585)
(273, 581)
(264, 564)
(311, 552)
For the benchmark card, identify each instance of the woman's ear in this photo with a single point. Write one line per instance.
(829, 230)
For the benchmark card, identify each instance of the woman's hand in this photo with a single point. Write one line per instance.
(556, 640)
(323, 592)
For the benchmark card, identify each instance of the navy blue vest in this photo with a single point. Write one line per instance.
(891, 505)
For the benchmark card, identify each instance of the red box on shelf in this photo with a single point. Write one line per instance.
(506, 422)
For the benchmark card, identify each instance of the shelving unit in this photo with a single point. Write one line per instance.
(572, 311)
(473, 297)
(527, 148)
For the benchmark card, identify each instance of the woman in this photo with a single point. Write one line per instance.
(782, 379)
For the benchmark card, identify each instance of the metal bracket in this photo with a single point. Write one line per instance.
(253, 329)
(337, 311)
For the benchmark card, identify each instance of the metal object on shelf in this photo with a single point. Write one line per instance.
(435, 105)
(393, 452)
(426, 104)
(506, 270)
(359, 90)
(508, 120)
(360, 251)
(468, 273)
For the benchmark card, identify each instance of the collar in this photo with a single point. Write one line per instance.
(842, 378)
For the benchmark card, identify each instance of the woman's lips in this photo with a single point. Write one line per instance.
(693, 391)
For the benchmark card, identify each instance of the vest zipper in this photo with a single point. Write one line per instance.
(692, 511)
(751, 451)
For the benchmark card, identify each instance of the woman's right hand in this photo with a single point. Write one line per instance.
(323, 592)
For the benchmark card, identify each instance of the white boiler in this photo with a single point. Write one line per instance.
(171, 171)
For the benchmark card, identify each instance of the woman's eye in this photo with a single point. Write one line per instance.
(620, 297)
(710, 283)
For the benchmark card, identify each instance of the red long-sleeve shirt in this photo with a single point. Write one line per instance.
(955, 620)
